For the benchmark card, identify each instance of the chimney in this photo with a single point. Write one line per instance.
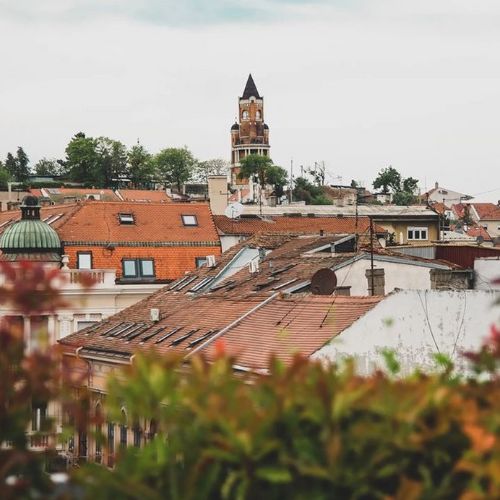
(378, 281)
(217, 193)
(448, 279)
(436, 185)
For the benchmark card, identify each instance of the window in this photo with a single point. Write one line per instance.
(123, 433)
(84, 260)
(201, 261)
(189, 220)
(82, 446)
(417, 233)
(80, 325)
(137, 436)
(245, 115)
(138, 268)
(126, 218)
(257, 115)
(98, 434)
(111, 444)
(38, 416)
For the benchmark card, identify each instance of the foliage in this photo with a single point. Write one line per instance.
(175, 166)
(308, 192)
(112, 161)
(307, 430)
(5, 177)
(255, 167)
(48, 167)
(278, 178)
(18, 166)
(82, 160)
(140, 165)
(391, 181)
(204, 169)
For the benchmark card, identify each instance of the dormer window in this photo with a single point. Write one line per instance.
(126, 218)
(189, 220)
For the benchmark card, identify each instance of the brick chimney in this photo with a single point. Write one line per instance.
(378, 281)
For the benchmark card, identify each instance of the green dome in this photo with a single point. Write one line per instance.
(30, 235)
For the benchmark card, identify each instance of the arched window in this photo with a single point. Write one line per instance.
(258, 115)
(111, 444)
(137, 431)
(245, 115)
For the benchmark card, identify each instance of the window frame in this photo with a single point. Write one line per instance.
(417, 229)
(126, 218)
(139, 274)
(185, 224)
(197, 262)
(84, 253)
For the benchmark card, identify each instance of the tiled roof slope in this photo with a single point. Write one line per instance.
(57, 195)
(154, 222)
(144, 195)
(485, 210)
(283, 224)
(54, 214)
(493, 215)
(284, 327)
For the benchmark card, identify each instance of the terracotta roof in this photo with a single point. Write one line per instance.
(439, 207)
(285, 327)
(144, 195)
(153, 222)
(283, 224)
(80, 193)
(479, 231)
(282, 326)
(484, 210)
(493, 215)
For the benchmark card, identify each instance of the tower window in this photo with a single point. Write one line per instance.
(245, 115)
(258, 115)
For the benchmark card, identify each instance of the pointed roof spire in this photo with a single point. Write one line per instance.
(250, 89)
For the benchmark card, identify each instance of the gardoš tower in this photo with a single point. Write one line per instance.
(250, 134)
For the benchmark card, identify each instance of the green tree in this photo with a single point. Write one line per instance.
(5, 177)
(255, 167)
(304, 190)
(140, 165)
(82, 160)
(389, 179)
(47, 166)
(111, 161)
(175, 166)
(278, 178)
(11, 165)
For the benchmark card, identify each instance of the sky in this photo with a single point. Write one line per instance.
(358, 84)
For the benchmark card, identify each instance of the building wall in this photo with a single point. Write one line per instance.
(413, 323)
(401, 230)
(396, 276)
(486, 270)
(170, 262)
(492, 226)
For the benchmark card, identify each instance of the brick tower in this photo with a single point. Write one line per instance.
(249, 135)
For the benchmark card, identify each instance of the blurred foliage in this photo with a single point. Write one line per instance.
(304, 431)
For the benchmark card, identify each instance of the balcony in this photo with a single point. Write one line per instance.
(76, 278)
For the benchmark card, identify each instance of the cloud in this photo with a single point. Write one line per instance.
(163, 12)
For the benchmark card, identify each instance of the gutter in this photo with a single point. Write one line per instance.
(231, 325)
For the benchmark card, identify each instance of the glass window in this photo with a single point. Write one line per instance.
(84, 260)
(147, 268)
(126, 218)
(137, 436)
(201, 261)
(111, 444)
(417, 233)
(129, 268)
(84, 324)
(189, 220)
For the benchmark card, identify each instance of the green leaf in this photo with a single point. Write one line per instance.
(274, 474)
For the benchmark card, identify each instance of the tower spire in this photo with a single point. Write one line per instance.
(250, 89)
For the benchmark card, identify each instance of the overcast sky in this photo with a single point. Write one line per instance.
(359, 84)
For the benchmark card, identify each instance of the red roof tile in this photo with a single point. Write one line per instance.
(306, 225)
(144, 195)
(154, 222)
(284, 327)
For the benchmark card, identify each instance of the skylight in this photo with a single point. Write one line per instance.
(189, 220)
(126, 218)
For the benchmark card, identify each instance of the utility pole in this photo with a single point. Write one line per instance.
(291, 181)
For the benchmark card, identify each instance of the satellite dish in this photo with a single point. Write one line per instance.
(323, 282)
(480, 240)
(234, 210)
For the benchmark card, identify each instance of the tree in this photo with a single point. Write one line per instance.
(278, 178)
(11, 164)
(23, 170)
(5, 177)
(308, 192)
(112, 161)
(140, 165)
(215, 166)
(82, 160)
(254, 167)
(175, 166)
(389, 179)
(48, 167)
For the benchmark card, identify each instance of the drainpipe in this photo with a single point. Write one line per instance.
(231, 325)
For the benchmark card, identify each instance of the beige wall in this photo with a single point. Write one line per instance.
(218, 193)
(400, 230)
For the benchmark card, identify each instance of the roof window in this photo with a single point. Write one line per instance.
(189, 220)
(126, 218)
